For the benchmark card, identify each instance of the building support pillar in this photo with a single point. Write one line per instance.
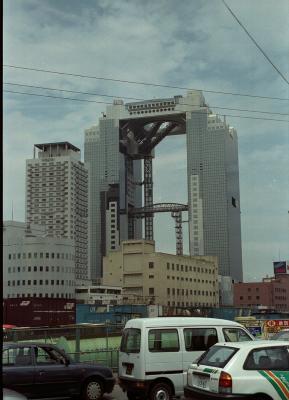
(148, 196)
(177, 215)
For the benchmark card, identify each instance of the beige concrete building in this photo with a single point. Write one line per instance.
(160, 278)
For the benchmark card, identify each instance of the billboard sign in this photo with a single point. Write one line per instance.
(280, 267)
(255, 331)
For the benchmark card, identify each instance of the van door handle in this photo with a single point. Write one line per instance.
(41, 373)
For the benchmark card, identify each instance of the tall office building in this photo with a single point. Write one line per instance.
(57, 197)
(119, 153)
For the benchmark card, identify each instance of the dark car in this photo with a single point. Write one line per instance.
(40, 370)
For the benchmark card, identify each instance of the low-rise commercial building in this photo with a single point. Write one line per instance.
(159, 278)
(272, 293)
(98, 294)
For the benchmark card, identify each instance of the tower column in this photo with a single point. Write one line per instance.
(177, 215)
(148, 196)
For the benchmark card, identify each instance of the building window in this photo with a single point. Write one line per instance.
(151, 264)
(151, 276)
(47, 255)
(151, 291)
(168, 265)
(35, 269)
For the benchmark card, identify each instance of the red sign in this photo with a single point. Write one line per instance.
(277, 323)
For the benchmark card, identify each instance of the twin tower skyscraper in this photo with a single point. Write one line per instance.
(119, 152)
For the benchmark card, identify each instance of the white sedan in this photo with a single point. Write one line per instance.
(256, 370)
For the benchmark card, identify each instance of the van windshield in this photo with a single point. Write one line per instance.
(130, 341)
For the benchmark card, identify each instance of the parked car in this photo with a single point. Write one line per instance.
(281, 335)
(256, 370)
(9, 394)
(40, 370)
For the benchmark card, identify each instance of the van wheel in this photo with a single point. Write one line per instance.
(161, 391)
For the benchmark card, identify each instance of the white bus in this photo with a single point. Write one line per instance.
(155, 353)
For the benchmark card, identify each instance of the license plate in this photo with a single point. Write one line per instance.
(202, 382)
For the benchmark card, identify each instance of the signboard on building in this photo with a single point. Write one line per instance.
(277, 323)
(280, 267)
(272, 326)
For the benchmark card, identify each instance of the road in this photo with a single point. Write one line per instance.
(118, 394)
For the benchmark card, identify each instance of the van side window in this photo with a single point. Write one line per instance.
(199, 338)
(163, 340)
(235, 335)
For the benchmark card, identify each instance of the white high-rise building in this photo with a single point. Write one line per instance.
(57, 197)
(121, 187)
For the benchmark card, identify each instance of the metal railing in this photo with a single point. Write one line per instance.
(90, 343)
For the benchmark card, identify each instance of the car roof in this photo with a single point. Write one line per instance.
(179, 322)
(253, 344)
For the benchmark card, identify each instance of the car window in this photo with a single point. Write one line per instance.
(235, 335)
(48, 356)
(273, 358)
(8, 357)
(163, 340)
(199, 338)
(217, 356)
(18, 356)
(130, 341)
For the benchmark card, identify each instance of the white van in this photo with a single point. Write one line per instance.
(155, 353)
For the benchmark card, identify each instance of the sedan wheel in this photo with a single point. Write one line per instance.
(93, 390)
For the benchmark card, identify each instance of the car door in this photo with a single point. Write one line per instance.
(18, 370)
(53, 375)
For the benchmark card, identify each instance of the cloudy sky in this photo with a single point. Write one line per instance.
(189, 43)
